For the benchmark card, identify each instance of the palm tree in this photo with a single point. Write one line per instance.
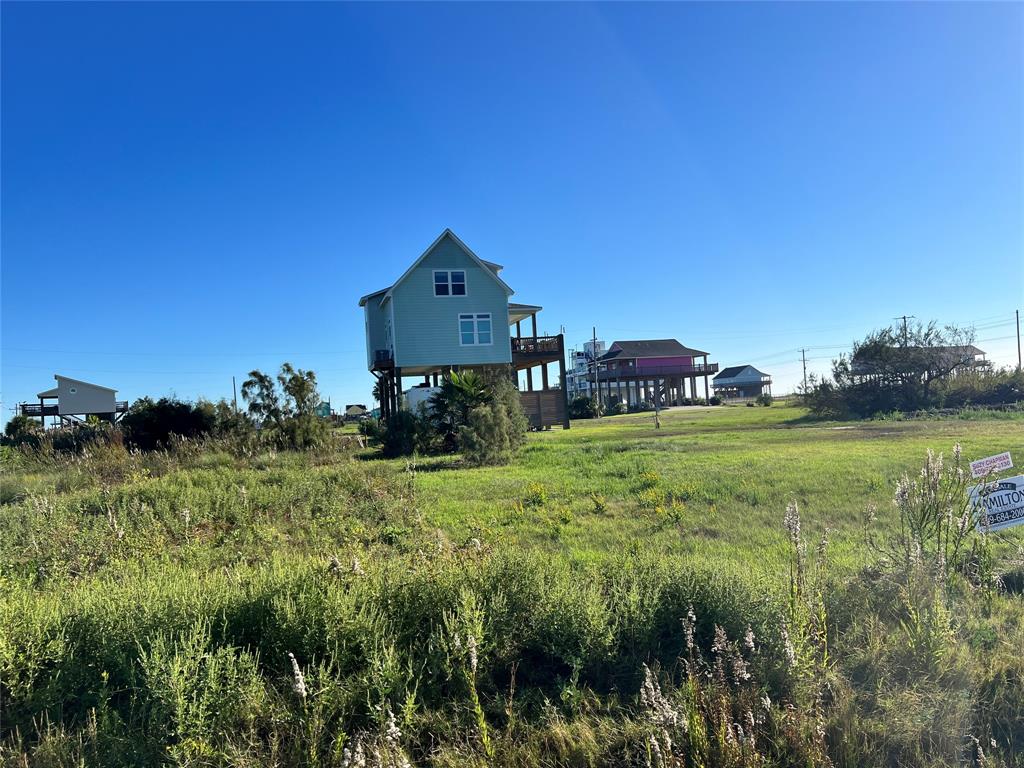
(450, 406)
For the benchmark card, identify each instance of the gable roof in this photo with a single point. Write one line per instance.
(735, 370)
(489, 268)
(648, 348)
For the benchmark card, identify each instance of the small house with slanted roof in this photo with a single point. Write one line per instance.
(74, 400)
(741, 382)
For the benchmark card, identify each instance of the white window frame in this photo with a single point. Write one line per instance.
(476, 317)
(448, 272)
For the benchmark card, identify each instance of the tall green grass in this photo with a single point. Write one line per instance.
(151, 606)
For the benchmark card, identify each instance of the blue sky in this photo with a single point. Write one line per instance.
(193, 190)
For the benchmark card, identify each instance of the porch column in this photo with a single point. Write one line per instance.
(533, 320)
(544, 376)
(561, 379)
(529, 379)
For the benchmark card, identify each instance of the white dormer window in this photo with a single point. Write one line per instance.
(449, 282)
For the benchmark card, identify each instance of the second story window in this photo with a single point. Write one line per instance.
(449, 282)
(475, 330)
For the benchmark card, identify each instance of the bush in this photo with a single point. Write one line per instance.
(149, 424)
(496, 429)
(403, 434)
(764, 399)
(583, 407)
(618, 408)
(715, 400)
(22, 430)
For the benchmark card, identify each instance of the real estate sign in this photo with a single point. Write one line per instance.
(1000, 504)
(996, 463)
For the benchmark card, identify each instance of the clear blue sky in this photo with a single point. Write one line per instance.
(193, 190)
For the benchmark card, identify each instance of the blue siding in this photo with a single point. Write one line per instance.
(376, 329)
(748, 375)
(426, 327)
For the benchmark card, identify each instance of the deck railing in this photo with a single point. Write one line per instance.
(536, 345)
(658, 371)
(52, 409)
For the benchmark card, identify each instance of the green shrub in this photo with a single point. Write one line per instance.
(764, 399)
(149, 424)
(22, 430)
(495, 430)
(404, 434)
(583, 407)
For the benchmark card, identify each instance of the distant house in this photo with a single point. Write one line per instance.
(450, 310)
(661, 371)
(741, 381)
(355, 411)
(74, 401)
(579, 379)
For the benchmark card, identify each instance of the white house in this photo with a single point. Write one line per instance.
(75, 401)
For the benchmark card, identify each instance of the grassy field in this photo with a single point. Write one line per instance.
(205, 606)
(712, 482)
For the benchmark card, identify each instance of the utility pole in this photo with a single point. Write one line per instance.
(904, 318)
(234, 389)
(1016, 313)
(593, 354)
(803, 358)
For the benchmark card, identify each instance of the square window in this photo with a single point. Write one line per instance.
(475, 330)
(449, 282)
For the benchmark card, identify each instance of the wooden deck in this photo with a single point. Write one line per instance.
(528, 351)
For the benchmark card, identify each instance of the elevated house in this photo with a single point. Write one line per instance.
(72, 401)
(661, 371)
(741, 382)
(579, 377)
(450, 310)
(356, 411)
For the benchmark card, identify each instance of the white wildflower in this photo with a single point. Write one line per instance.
(791, 522)
(689, 626)
(659, 709)
(471, 648)
(354, 757)
(392, 734)
(299, 680)
(787, 647)
(748, 640)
